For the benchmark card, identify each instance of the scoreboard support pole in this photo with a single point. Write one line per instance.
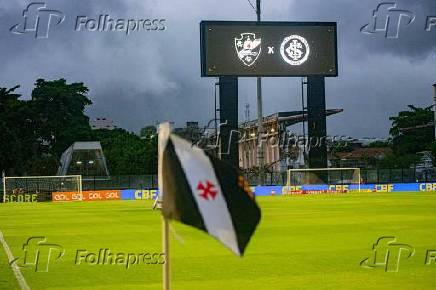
(317, 129)
(229, 132)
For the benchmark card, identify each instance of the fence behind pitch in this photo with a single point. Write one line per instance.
(38, 188)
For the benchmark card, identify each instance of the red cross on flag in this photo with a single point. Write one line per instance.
(207, 190)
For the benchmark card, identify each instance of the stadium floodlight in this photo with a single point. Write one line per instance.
(39, 188)
(323, 180)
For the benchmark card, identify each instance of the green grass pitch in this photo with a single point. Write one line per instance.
(303, 242)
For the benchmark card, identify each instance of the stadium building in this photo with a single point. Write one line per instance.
(282, 149)
(84, 158)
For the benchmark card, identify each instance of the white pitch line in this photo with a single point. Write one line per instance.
(15, 268)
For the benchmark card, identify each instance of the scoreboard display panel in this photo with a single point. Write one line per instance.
(282, 49)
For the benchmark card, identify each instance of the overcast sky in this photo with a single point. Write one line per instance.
(150, 76)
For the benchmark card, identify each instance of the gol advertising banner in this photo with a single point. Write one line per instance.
(94, 195)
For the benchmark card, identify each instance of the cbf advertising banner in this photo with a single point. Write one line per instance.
(139, 194)
(324, 188)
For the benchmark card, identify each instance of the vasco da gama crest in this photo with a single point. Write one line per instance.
(248, 48)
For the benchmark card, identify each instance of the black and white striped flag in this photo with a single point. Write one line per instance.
(207, 193)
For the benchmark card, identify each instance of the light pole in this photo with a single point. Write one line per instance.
(303, 107)
(434, 108)
(216, 110)
(260, 155)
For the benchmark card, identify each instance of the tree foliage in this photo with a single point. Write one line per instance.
(60, 118)
(17, 137)
(409, 131)
(148, 132)
(35, 132)
(127, 153)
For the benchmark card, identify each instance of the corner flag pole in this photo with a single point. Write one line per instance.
(166, 251)
(164, 134)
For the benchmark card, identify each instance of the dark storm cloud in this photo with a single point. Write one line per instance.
(413, 41)
(148, 76)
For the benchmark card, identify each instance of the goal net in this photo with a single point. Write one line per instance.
(39, 188)
(323, 180)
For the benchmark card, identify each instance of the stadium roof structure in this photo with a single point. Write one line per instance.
(84, 158)
(288, 118)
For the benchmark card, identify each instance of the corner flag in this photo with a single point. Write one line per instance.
(207, 193)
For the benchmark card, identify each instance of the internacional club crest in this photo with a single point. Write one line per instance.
(248, 48)
(295, 50)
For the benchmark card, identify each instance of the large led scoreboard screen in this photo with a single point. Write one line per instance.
(243, 48)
